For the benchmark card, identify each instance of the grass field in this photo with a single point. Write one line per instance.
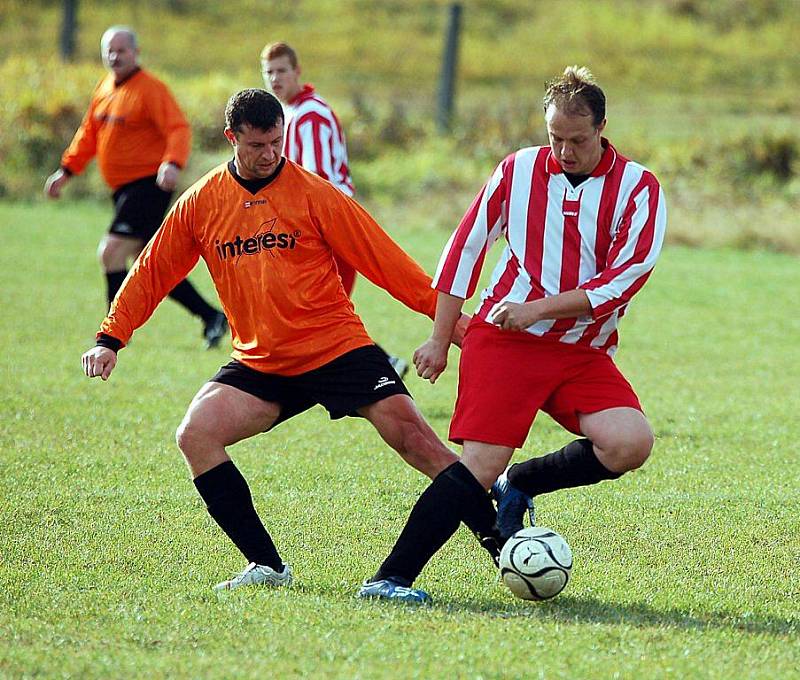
(687, 568)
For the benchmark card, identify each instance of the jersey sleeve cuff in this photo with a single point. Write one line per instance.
(601, 305)
(108, 341)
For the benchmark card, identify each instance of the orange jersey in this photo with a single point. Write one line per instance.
(132, 128)
(270, 255)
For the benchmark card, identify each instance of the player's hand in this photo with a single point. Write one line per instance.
(54, 183)
(460, 329)
(99, 362)
(167, 178)
(514, 316)
(430, 359)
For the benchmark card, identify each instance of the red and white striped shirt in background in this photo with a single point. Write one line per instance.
(314, 139)
(603, 236)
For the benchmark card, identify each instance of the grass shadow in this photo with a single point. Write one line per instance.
(571, 609)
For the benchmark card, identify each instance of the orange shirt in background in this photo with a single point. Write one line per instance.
(270, 255)
(132, 127)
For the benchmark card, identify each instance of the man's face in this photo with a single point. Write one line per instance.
(281, 77)
(257, 152)
(119, 55)
(575, 140)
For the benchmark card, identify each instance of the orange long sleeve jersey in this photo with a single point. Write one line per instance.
(132, 127)
(270, 257)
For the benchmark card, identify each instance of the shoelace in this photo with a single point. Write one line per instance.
(239, 576)
(403, 590)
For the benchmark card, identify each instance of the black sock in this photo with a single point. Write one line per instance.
(113, 282)
(186, 294)
(229, 502)
(574, 465)
(454, 496)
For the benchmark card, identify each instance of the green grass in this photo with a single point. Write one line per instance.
(686, 568)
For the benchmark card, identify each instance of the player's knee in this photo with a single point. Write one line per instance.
(187, 437)
(102, 252)
(114, 253)
(640, 450)
(633, 451)
(181, 438)
(109, 255)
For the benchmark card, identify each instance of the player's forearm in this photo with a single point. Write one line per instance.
(517, 316)
(448, 312)
(165, 261)
(566, 305)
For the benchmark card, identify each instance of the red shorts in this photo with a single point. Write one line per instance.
(506, 377)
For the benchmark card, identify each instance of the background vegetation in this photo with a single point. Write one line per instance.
(703, 92)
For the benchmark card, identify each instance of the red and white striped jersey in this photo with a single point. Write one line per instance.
(603, 236)
(314, 138)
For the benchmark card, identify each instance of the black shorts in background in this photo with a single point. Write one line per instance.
(139, 208)
(358, 378)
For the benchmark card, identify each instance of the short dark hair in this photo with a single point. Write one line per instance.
(576, 93)
(254, 107)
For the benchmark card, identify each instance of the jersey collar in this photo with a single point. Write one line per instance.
(255, 185)
(306, 92)
(607, 161)
(120, 83)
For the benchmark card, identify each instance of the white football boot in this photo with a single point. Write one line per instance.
(257, 575)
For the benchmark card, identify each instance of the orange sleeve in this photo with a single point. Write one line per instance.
(358, 239)
(169, 119)
(165, 261)
(84, 144)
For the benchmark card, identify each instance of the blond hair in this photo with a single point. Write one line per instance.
(575, 92)
(279, 49)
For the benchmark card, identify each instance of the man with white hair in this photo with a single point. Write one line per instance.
(142, 141)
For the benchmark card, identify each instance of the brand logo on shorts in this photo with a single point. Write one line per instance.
(383, 382)
(264, 240)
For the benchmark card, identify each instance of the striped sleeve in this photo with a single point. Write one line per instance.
(314, 142)
(634, 249)
(318, 145)
(486, 218)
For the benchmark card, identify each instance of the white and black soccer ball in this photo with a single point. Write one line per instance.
(535, 563)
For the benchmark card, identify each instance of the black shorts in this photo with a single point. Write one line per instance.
(359, 378)
(139, 208)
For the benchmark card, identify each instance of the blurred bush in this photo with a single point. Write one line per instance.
(702, 92)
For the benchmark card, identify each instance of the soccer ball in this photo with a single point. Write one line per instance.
(535, 563)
